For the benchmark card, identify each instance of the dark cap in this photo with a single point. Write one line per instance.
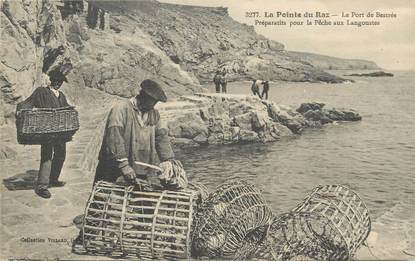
(154, 90)
(56, 75)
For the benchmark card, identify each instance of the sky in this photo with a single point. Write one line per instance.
(391, 44)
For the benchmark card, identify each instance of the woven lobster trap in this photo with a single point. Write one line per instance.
(46, 124)
(330, 224)
(231, 222)
(126, 222)
(201, 191)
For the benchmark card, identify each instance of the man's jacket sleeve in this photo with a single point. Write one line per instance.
(114, 138)
(31, 102)
(163, 146)
(64, 100)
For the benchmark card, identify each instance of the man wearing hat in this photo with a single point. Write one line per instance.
(52, 154)
(216, 81)
(265, 90)
(134, 132)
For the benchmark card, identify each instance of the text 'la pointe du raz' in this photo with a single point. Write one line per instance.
(279, 14)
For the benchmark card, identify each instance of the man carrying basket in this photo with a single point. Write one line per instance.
(53, 152)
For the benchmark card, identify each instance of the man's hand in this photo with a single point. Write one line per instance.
(173, 175)
(167, 168)
(129, 174)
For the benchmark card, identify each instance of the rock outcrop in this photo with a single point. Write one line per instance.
(181, 46)
(224, 119)
(325, 62)
(372, 74)
(117, 62)
(200, 40)
(33, 43)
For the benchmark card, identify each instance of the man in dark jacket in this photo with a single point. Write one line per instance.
(265, 89)
(255, 88)
(134, 132)
(216, 81)
(52, 154)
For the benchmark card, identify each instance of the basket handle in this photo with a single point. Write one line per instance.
(49, 109)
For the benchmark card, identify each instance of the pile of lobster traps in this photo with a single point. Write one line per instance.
(330, 224)
(44, 125)
(234, 221)
(236, 213)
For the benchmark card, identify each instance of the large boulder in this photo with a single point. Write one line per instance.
(287, 116)
(304, 107)
(317, 116)
(274, 131)
(244, 121)
(296, 124)
(216, 138)
(281, 130)
(248, 136)
(260, 119)
(201, 138)
(188, 126)
(238, 108)
(218, 125)
(343, 115)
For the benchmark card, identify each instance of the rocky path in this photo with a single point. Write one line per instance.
(35, 228)
(38, 228)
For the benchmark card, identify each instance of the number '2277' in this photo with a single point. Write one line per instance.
(251, 14)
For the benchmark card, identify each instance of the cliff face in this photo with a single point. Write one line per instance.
(325, 62)
(114, 45)
(31, 32)
(202, 40)
(117, 62)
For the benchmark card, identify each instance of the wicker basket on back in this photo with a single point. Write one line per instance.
(330, 224)
(123, 222)
(44, 125)
(231, 222)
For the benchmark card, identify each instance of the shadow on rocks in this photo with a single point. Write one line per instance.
(23, 181)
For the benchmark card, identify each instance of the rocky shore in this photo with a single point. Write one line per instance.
(183, 50)
(372, 74)
(230, 118)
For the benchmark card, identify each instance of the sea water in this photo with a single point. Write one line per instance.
(375, 157)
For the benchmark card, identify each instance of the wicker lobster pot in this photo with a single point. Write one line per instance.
(231, 221)
(330, 224)
(46, 124)
(121, 221)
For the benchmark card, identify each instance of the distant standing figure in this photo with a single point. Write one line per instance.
(216, 81)
(265, 89)
(255, 88)
(223, 81)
